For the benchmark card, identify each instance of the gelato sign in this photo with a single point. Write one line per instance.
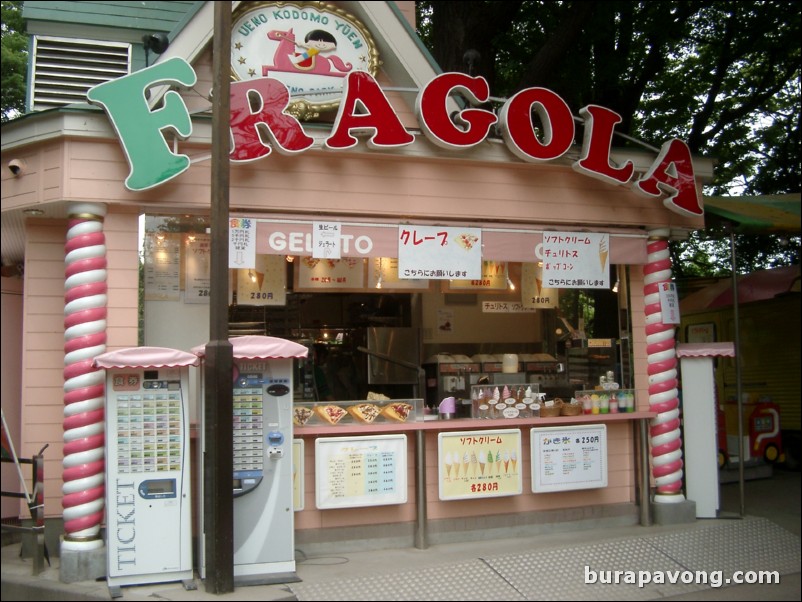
(365, 110)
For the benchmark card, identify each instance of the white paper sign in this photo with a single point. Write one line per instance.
(669, 303)
(326, 240)
(576, 260)
(241, 243)
(439, 252)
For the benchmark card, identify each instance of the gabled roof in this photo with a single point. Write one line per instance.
(404, 58)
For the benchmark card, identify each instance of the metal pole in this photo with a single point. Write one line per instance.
(734, 261)
(643, 466)
(218, 468)
(420, 489)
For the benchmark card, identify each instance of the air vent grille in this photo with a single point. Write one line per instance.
(65, 69)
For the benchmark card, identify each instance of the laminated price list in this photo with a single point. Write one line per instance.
(360, 471)
(567, 458)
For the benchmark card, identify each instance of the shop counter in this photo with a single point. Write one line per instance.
(438, 429)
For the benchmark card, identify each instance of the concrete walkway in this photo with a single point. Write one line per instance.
(698, 557)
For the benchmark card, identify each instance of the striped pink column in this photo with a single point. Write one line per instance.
(84, 386)
(666, 443)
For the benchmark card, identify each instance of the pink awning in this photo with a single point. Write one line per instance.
(261, 347)
(146, 357)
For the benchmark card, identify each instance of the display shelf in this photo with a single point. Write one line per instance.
(471, 424)
(358, 412)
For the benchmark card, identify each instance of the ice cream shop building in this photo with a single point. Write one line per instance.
(372, 197)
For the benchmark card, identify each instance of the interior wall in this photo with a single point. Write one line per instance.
(449, 319)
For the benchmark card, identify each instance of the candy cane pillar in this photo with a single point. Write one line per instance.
(84, 386)
(665, 440)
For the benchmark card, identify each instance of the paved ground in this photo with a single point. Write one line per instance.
(547, 567)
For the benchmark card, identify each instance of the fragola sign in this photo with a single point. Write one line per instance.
(365, 110)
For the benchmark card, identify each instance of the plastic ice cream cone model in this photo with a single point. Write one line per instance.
(482, 462)
(506, 393)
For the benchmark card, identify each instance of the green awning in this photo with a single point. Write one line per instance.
(768, 214)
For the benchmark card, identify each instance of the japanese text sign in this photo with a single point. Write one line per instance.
(576, 260)
(477, 464)
(439, 252)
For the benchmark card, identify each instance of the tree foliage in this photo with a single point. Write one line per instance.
(723, 76)
(14, 60)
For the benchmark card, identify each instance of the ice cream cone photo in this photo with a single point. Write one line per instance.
(604, 251)
(449, 466)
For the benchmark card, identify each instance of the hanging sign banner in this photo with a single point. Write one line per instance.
(439, 252)
(576, 260)
(533, 293)
(326, 240)
(241, 243)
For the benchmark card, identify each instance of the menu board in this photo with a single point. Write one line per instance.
(313, 274)
(495, 277)
(478, 464)
(265, 283)
(360, 471)
(197, 268)
(568, 458)
(162, 256)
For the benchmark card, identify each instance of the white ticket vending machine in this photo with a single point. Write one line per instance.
(264, 524)
(148, 495)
